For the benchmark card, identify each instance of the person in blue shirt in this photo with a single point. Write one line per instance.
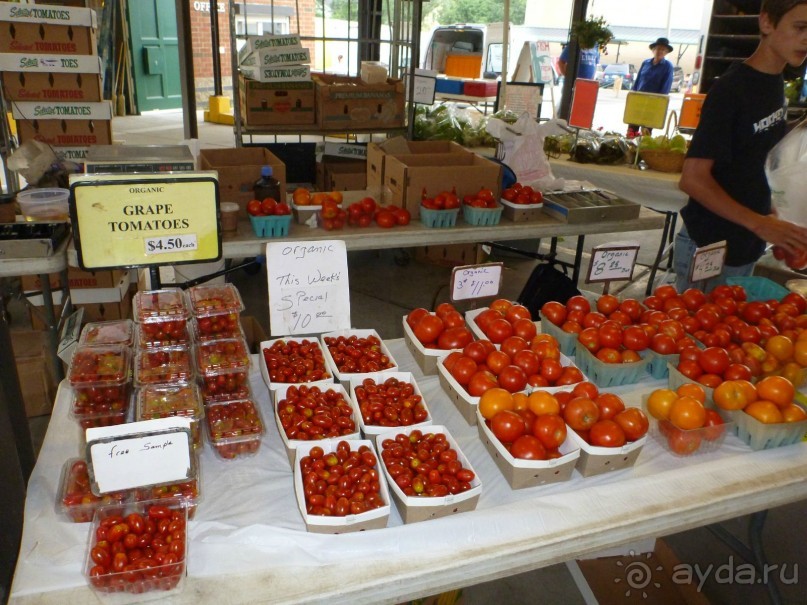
(655, 75)
(589, 59)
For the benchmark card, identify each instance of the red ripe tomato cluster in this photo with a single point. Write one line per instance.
(425, 465)
(310, 413)
(219, 325)
(445, 200)
(484, 198)
(185, 493)
(235, 428)
(78, 500)
(295, 361)
(342, 482)
(164, 365)
(391, 403)
(268, 207)
(332, 216)
(361, 213)
(224, 367)
(139, 552)
(522, 194)
(353, 354)
(528, 436)
(391, 216)
(99, 377)
(168, 332)
(797, 261)
(444, 329)
(711, 366)
(504, 319)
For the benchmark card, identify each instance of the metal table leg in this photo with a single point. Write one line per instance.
(665, 247)
(578, 258)
(52, 326)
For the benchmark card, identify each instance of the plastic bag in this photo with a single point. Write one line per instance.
(523, 147)
(786, 169)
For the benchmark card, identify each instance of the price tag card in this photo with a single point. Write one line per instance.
(137, 454)
(476, 281)
(584, 100)
(708, 261)
(308, 287)
(135, 220)
(646, 109)
(425, 86)
(612, 262)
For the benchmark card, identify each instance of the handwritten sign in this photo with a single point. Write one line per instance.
(646, 109)
(151, 452)
(523, 97)
(612, 262)
(584, 100)
(476, 281)
(708, 261)
(308, 287)
(425, 86)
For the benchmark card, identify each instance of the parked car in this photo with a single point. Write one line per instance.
(626, 71)
(678, 79)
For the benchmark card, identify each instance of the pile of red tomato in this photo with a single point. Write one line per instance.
(522, 194)
(268, 207)
(504, 319)
(484, 198)
(445, 200)
(444, 329)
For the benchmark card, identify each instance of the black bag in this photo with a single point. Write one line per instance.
(545, 283)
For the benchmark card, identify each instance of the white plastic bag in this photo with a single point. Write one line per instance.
(786, 169)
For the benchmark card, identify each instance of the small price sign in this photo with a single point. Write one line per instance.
(166, 244)
(612, 262)
(150, 452)
(308, 287)
(708, 261)
(476, 281)
(425, 86)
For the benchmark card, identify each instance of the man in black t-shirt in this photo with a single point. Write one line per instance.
(743, 117)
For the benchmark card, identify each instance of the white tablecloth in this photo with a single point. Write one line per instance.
(248, 540)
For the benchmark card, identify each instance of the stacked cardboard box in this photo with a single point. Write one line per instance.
(51, 76)
(275, 81)
(341, 167)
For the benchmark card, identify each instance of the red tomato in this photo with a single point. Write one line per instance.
(609, 355)
(528, 361)
(714, 425)
(513, 344)
(690, 369)
(570, 375)
(480, 382)
(681, 442)
(586, 389)
(634, 423)
(737, 371)
(620, 317)
(663, 344)
(653, 302)
(496, 361)
(607, 304)
(554, 312)
(512, 378)
(402, 216)
(578, 303)
(268, 206)
(428, 329)
(507, 426)
(672, 328)
(635, 338)
(551, 370)
(610, 405)
(590, 338)
(581, 413)
(606, 433)
(550, 430)
(516, 312)
(693, 298)
(476, 351)
(571, 327)
(499, 330)
(593, 320)
(796, 300)
(714, 360)
(525, 328)
(454, 338)
(452, 319)
(610, 335)
(415, 315)
(665, 292)
(755, 311)
(254, 208)
(632, 308)
(528, 447)
(385, 219)
(707, 318)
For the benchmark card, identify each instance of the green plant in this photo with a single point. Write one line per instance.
(592, 32)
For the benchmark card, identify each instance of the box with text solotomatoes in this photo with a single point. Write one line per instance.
(277, 103)
(345, 102)
(407, 176)
(64, 30)
(397, 146)
(43, 77)
(64, 124)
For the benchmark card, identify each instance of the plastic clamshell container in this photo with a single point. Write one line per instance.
(76, 502)
(675, 379)
(99, 377)
(690, 442)
(658, 364)
(231, 438)
(267, 344)
(162, 316)
(566, 340)
(425, 358)
(761, 436)
(759, 288)
(50, 204)
(519, 213)
(165, 400)
(610, 374)
(271, 226)
(163, 365)
(163, 334)
(528, 473)
(291, 445)
(346, 377)
(217, 310)
(439, 219)
(465, 403)
(223, 367)
(112, 332)
(422, 508)
(371, 430)
(372, 519)
(596, 460)
(124, 587)
(186, 493)
(481, 216)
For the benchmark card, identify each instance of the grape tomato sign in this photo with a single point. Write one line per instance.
(137, 454)
(309, 291)
(476, 281)
(708, 261)
(612, 262)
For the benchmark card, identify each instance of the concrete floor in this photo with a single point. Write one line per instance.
(385, 285)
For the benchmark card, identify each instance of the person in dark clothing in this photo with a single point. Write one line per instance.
(655, 75)
(743, 117)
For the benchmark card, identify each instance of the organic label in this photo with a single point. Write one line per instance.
(612, 262)
(708, 261)
(476, 281)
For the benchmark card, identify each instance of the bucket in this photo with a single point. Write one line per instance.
(44, 204)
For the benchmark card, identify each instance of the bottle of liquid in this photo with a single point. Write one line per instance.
(267, 186)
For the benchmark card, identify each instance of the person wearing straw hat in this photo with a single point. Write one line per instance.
(655, 75)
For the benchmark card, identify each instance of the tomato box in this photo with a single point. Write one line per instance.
(112, 332)
(528, 473)
(292, 356)
(370, 429)
(223, 367)
(277, 103)
(675, 379)
(657, 364)
(356, 338)
(426, 358)
(685, 443)
(164, 400)
(761, 436)
(519, 213)
(465, 403)
(234, 428)
(596, 460)
(421, 508)
(99, 377)
(610, 374)
(185, 493)
(376, 518)
(566, 340)
(345, 102)
(161, 316)
(279, 397)
(64, 30)
(76, 502)
(163, 365)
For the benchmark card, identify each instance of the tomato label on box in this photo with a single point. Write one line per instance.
(476, 281)
(708, 261)
(612, 262)
(308, 287)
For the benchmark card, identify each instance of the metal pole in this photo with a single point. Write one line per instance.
(579, 10)
(214, 41)
(414, 63)
(506, 50)
(187, 81)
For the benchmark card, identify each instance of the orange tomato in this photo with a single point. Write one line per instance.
(794, 373)
(553, 342)
(766, 412)
(501, 305)
(781, 347)
(777, 389)
(793, 413)
(750, 390)
(629, 356)
(731, 395)
(520, 402)
(301, 196)
(687, 413)
(660, 402)
(800, 350)
(690, 389)
(336, 196)
(541, 403)
(495, 400)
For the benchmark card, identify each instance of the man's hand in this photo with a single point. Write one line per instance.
(789, 236)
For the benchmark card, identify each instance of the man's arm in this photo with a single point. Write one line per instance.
(562, 67)
(697, 182)
(667, 85)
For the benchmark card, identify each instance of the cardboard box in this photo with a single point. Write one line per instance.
(345, 103)
(239, 168)
(606, 579)
(72, 154)
(407, 176)
(64, 124)
(454, 255)
(256, 43)
(277, 103)
(338, 174)
(397, 146)
(77, 279)
(100, 311)
(277, 56)
(52, 87)
(253, 333)
(287, 73)
(39, 28)
(37, 384)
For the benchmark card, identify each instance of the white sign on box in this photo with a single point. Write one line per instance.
(309, 291)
